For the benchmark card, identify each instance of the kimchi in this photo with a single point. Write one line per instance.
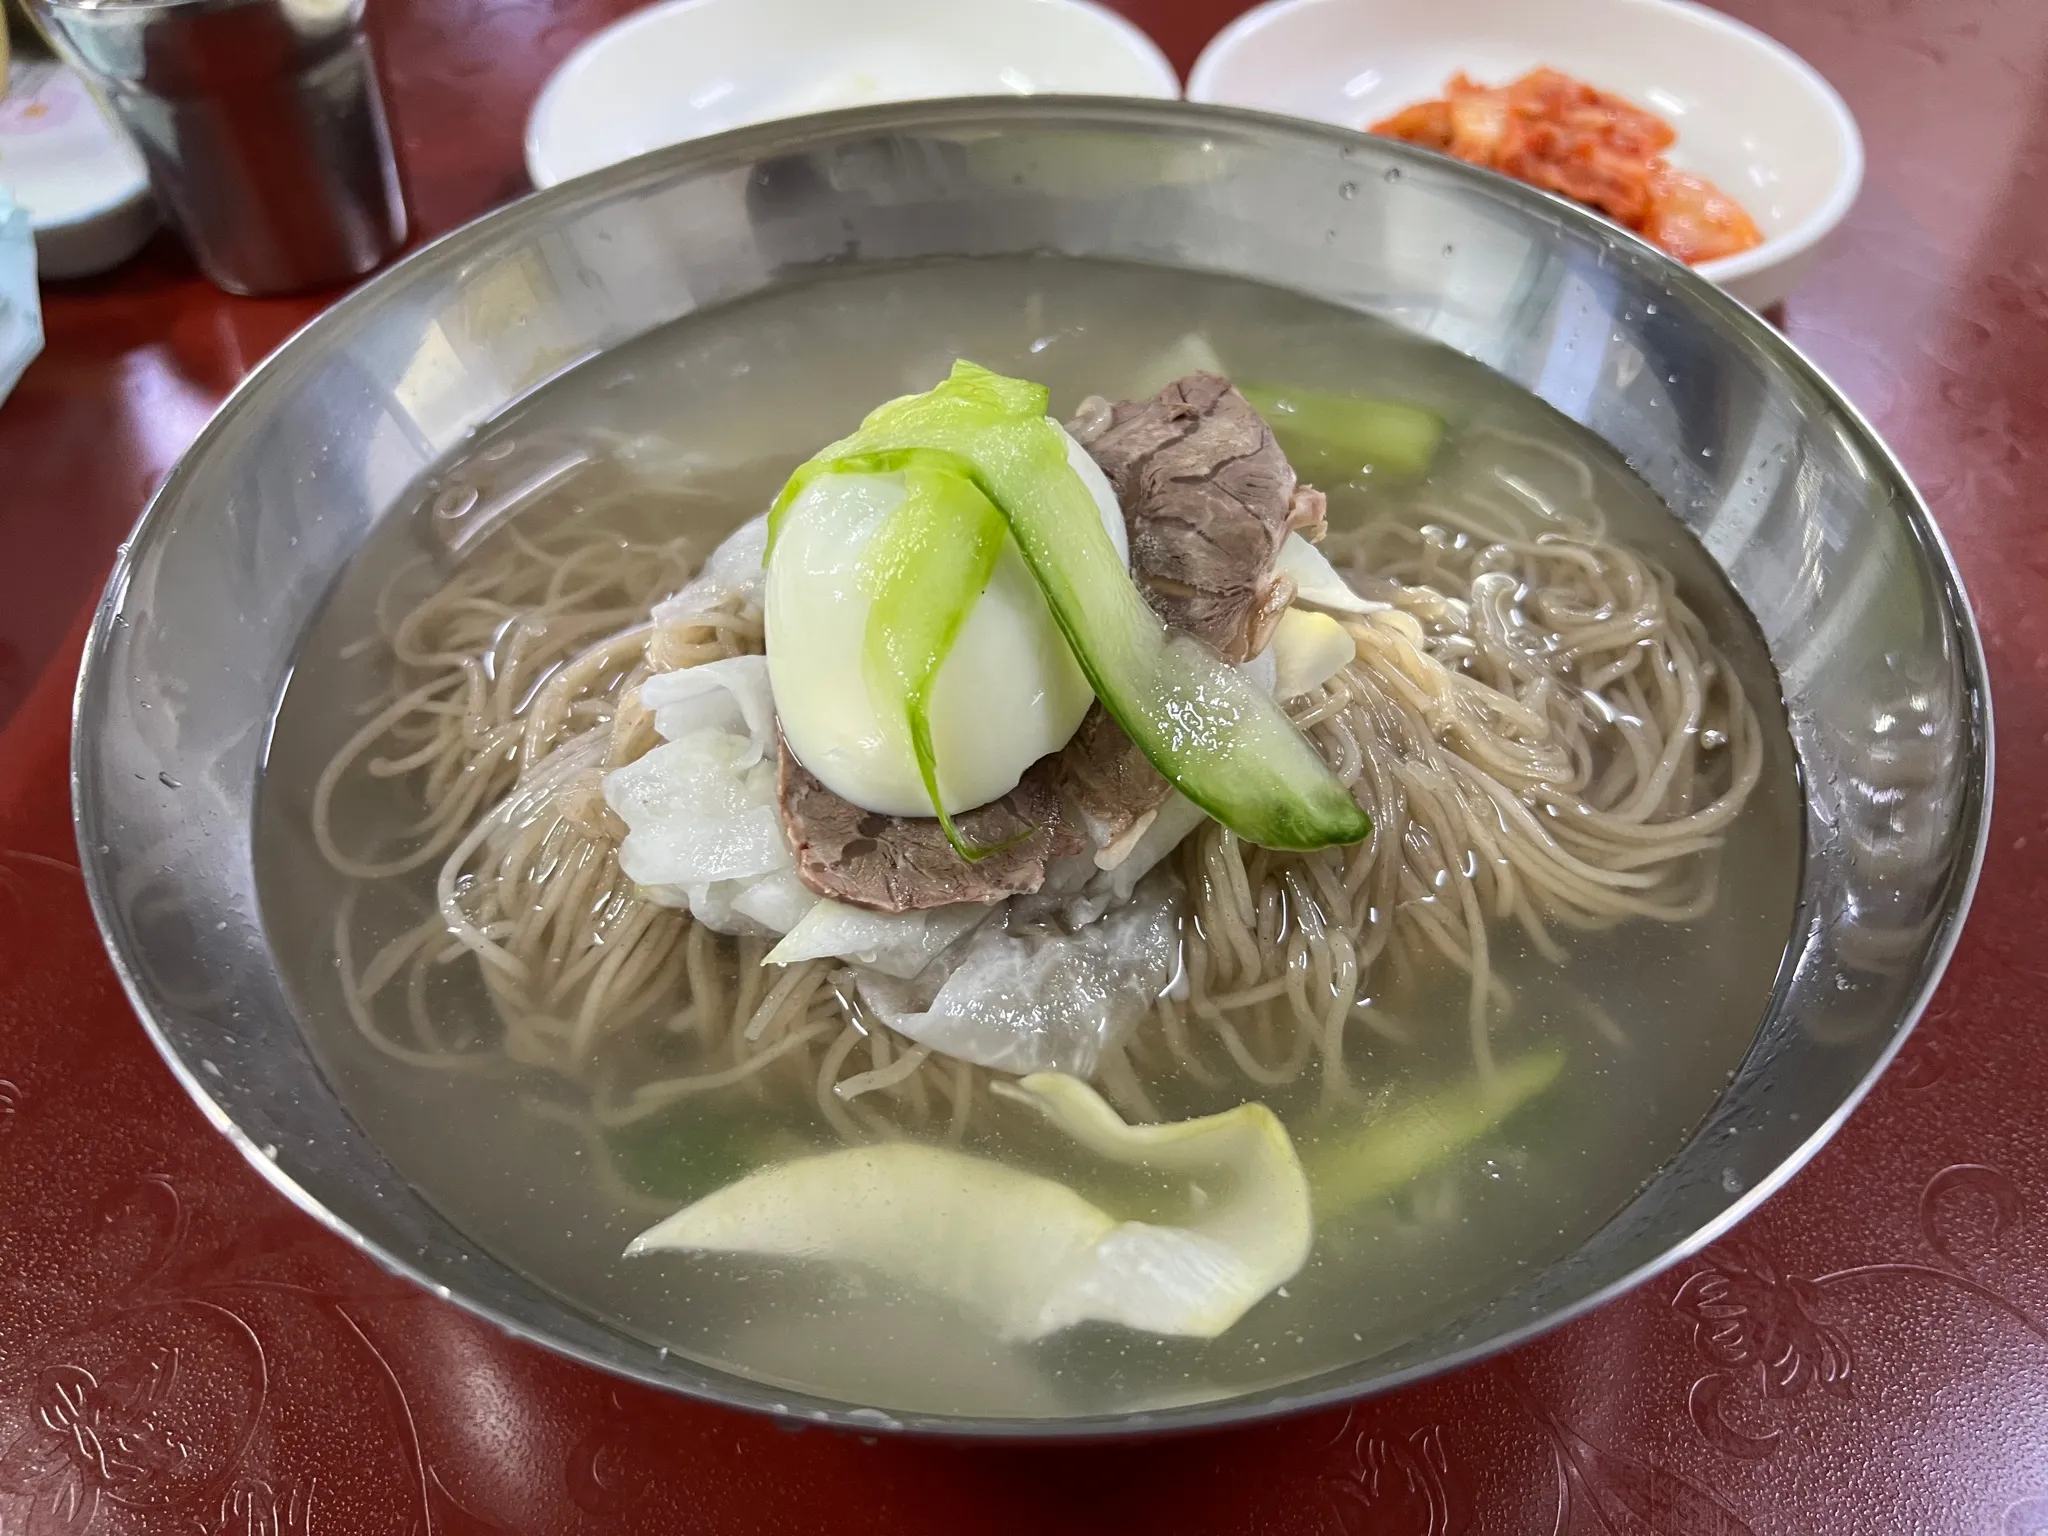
(1568, 137)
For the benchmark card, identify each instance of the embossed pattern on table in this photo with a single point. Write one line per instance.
(181, 1352)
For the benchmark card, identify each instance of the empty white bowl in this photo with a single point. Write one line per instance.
(691, 67)
(1750, 115)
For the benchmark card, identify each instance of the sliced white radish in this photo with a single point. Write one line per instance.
(1308, 650)
(1026, 1252)
(1316, 582)
(699, 809)
(728, 695)
(897, 944)
(989, 1237)
(1198, 1279)
(702, 827)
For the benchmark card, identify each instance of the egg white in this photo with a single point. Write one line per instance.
(1008, 693)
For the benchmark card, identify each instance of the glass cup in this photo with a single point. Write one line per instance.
(262, 124)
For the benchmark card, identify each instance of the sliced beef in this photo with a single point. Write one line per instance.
(904, 863)
(1108, 783)
(1207, 498)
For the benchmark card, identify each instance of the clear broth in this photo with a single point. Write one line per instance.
(738, 396)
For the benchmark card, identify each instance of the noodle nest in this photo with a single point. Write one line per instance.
(1543, 732)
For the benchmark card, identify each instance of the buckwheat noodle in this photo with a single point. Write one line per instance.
(1542, 730)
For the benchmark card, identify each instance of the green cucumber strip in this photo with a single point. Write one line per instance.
(970, 399)
(682, 1153)
(924, 571)
(1327, 433)
(1219, 738)
(1406, 1143)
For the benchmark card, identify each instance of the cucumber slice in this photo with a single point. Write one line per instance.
(1214, 733)
(1407, 1142)
(1330, 434)
(925, 570)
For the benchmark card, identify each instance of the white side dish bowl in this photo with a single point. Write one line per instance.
(687, 68)
(1750, 115)
(84, 185)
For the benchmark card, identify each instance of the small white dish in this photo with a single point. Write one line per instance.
(692, 67)
(84, 185)
(1750, 115)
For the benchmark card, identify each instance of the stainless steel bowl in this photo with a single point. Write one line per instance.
(1784, 483)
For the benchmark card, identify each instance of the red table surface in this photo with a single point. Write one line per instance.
(182, 1352)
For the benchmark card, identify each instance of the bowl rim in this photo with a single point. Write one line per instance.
(548, 102)
(726, 1388)
(1777, 250)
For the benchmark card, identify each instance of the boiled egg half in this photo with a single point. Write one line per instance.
(1008, 693)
